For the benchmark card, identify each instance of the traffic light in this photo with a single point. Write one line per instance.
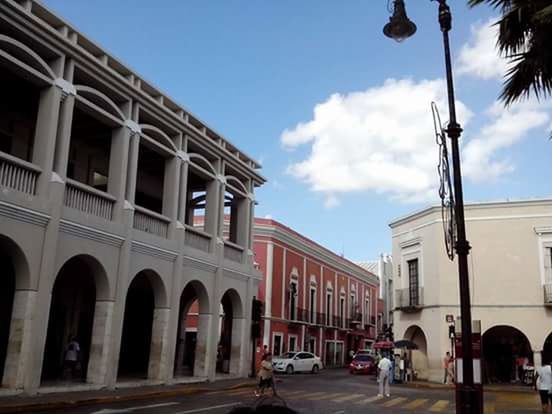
(257, 310)
(451, 331)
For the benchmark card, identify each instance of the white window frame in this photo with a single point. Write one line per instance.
(544, 243)
(329, 316)
(289, 342)
(296, 283)
(342, 310)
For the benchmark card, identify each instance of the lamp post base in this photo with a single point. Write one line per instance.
(469, 399)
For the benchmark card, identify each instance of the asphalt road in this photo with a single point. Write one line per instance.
(330, 392)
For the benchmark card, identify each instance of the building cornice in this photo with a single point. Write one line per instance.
(302, 244)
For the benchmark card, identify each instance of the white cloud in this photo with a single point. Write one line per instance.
(507, 127)
(380, 139)
(480, 56)
(268, 216)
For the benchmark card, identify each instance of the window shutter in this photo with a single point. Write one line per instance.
(548, 265)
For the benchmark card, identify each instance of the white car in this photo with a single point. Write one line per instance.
(291, 362)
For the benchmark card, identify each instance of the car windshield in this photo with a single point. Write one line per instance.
(363, 358)
(288, 355)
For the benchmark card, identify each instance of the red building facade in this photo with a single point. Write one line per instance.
(314, 300)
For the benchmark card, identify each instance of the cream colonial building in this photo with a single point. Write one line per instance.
(510, 279)
(101, 177)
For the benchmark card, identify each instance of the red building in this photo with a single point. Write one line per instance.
(314, 300)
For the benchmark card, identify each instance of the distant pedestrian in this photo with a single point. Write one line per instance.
(71, 360)
(265, 376)
(351, 355)
(446, 362)
(450, 371)
(544, 386)
(384, 367)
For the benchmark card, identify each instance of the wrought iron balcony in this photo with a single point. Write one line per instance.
(409, 300)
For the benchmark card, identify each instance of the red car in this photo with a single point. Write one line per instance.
(363, 364)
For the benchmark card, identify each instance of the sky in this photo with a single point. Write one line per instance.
(337, 114)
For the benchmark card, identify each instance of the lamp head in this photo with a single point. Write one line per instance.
(400, 27)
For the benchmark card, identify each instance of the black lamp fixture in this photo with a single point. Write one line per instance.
(469, 398)
(400, 27)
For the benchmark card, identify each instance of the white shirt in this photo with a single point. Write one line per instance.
(545, 378)
(72, 351)
(384, 364)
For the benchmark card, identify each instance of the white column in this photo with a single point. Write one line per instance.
(238, 357)
(132, 167)
(19, 342)
(63, 141)
(100, 343)
(170, 192)
(159, 345)
(537, 358)
(118, 162)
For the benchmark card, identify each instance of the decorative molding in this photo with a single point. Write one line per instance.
(183, 156)
(133, 126)
(251, 196)
(220, 240)
(67, 88)
(23, 214)
(128, 206)
(221, 179)
(542, 230)
(56, 178)
(149, 250)
(410, 242)
(85, 232)
(179, 225)
(199, 264)
(237, 275)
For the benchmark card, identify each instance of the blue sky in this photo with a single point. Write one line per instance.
(257, 70)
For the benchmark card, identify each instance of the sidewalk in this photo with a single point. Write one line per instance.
(487, 388)
(50, 401)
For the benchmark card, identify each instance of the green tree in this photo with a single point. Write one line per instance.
(525, 37)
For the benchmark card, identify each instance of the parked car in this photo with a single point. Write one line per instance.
(362, 363)
(291, 362)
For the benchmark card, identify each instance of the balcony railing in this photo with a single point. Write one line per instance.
(233, 252)
(409, 299)
(197, 239)
(548, 294)
(88, 200)
(17, 174)
(151, 222)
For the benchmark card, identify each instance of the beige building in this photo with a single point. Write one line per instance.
(510, 280)
(101, 178)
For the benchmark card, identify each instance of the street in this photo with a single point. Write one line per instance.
(330, 392)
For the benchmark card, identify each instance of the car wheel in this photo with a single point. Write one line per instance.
(289, 369)
(315, 369)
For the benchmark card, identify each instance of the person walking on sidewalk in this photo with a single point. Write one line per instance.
(384, 367)
(446, 362)
(544, 386)
(265, 376)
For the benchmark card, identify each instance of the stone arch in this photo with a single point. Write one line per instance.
(100, 99)
(80, 287)
(192, 331)
(547, 349)
(501, 345)
(14, 282)
(159, 136)
(144, 327)
(26, 55)
(205, 163)
(236, 183)
(419, 357)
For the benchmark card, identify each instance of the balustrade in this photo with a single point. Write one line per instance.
(18, 174)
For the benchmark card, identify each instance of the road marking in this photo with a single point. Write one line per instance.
(312, 395)
(326, 396)
(214, 407)
(238, 392)
(439, 406)
(348, 397)
(368, 400)
(131, 409)
(489, 408)
(394, 401)
(415, 404)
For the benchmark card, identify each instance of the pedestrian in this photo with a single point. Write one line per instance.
(384, 366)
(450, 371)
(265, 376)
(351, 355)
(543, 384)
(71, 360)
(446, 362)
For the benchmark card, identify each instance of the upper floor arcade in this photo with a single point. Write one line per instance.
(83, 134)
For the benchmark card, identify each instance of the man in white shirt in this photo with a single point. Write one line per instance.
(544, 386)
(384, 366)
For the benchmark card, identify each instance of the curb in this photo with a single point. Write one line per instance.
(53, 405)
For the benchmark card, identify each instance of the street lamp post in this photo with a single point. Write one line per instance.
(399, 28)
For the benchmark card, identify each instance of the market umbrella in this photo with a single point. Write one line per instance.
(383, 345)
(406, 344)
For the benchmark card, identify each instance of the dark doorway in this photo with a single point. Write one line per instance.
(186, 338)
(7, 291)
(71, 316)
(137, 327)
(547, 350)
(502, 347)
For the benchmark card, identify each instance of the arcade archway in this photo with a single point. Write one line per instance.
(231, 329)
(418, 357)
